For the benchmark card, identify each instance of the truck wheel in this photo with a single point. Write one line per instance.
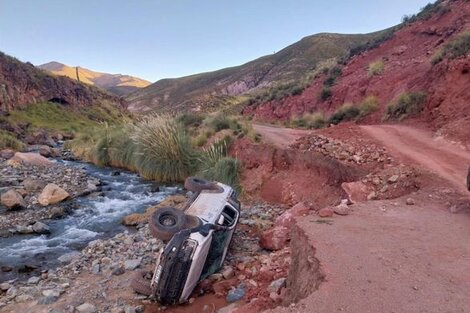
(141, 284)
(196, 184)
(166, 222)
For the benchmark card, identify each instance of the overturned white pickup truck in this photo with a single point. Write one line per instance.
(197, 241)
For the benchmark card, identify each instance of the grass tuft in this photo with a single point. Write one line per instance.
(406, 105)
(376, 68)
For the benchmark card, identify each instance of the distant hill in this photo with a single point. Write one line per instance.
(22, 84)
(208, 91)
(115, 83)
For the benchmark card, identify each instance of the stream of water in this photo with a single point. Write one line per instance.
(95, 217)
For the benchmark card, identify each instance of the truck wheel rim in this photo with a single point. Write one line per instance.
(167, 220)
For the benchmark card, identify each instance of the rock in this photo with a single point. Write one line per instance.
(47, 300)
(410, 201)
(115, 173)
(95, 269)
(228, 273)
(52, 194)
(393, 179)
(300, 209)
(236, 294)
(6, 153)
(372, 196)
(132, 264)
(24, 229)
(45, 151)
(57, 212)
(32, 185)
(276, 285)
(275, 238)
(41, 228)
(286, 219)
(6, 268)
(30, 158)
(68, 257)
(34, 280)
(12, 200)
(51, 293)
(326, 212)
(86, 308)
(356, 191)
(129, 309)
(24, 298)
(221, 287)
(118, 271)
(341, 209)
(5, 286)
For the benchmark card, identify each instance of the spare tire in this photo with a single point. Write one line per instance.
(196, 184)
(141, 284)
(165, 222)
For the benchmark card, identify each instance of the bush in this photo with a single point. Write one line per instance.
(165, 153)
(426, 12)
(334, 73)
(406, 105)
(190, 120)
(369, 105)
(346, 112)
(458, 47)
(376, 68)
(9, 141)
(325, 94)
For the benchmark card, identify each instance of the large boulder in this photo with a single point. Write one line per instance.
(275, 238)
(31, 158)
(52, 194)
(12, 200)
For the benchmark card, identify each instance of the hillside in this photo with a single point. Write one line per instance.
(22, 84)
(115, 83)
(427, 58)
(210, 90)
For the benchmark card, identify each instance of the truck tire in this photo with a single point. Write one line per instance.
(165, 222)
(141, 284)
(196, 184)
(468, 179)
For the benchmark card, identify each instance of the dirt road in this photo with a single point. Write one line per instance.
(409, 144)
(420, 148)
(279, 136)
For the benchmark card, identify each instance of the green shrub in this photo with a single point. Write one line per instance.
(334, 73)
(369, 105)
(165, 153)
(325, 94)
(9, 141)
(458, 47)
(406, 105)
(436, 8)
(190, 119)
(376, 68)
(346, 112)
(225, 171)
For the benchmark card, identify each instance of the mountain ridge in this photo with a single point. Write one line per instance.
(118, 84)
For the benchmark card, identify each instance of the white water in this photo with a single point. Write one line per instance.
(95, 217)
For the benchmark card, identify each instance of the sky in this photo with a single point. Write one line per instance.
(155, 39)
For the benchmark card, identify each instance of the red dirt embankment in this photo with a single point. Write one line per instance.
(407, 67)
(286, 176)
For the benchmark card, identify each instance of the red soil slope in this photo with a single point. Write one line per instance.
(407, 59)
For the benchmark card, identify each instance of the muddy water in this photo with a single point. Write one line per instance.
(94, 217)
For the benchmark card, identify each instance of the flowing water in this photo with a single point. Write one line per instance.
(95, 217)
